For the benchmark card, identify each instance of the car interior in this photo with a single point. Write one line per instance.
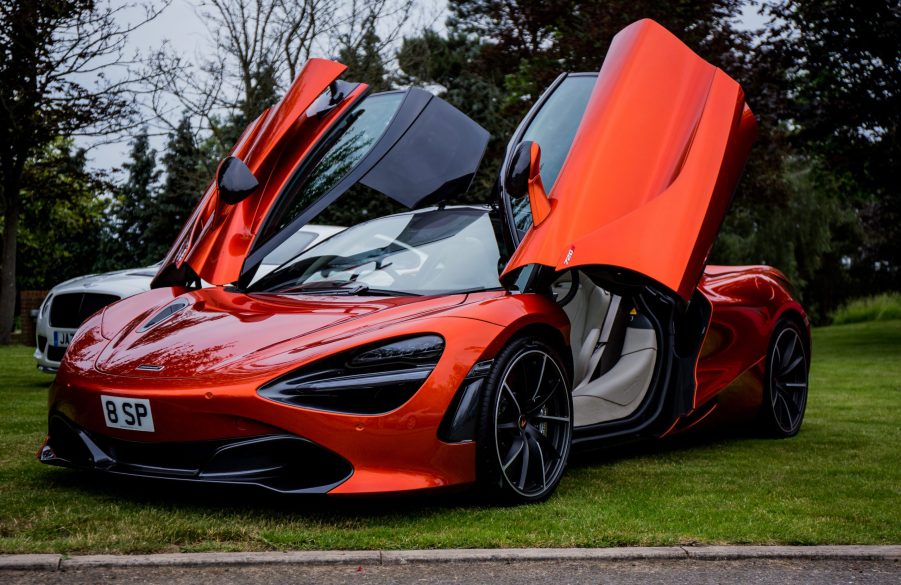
(614, 350)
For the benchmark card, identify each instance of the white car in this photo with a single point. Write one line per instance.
(69, 303)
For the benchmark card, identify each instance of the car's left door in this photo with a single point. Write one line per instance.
(323, 138)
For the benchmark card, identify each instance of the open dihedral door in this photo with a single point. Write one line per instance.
(216, 239)
(652, 167)
(322, 140)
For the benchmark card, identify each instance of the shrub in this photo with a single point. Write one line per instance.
(877, 308)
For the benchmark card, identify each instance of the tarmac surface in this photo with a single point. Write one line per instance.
(676, 565)
(669, 571)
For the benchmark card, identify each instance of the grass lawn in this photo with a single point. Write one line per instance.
(838, 482)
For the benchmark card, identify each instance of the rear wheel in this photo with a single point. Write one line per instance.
(785, 390)
(525, 423)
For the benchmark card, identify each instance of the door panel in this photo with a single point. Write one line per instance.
(652, 167)
(311, 149)
(217, 237)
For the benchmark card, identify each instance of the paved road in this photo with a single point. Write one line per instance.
(669, 572)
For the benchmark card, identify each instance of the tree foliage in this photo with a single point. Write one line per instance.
(186, 179)
(131, 210)
(819, 198)
(257, 48)
(54, 59)
(63, 216)
(843, 103)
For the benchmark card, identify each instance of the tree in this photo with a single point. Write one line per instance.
(259, 47)
(132, 209)
(63, 212)
(186, 179)
(57, 59)
(365, 62)
(843, 103)
(499, 55)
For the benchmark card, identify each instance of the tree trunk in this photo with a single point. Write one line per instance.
(8, 269)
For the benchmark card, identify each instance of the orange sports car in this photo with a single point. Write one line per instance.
(446, 345)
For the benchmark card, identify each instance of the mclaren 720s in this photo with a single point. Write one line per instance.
(446, 345)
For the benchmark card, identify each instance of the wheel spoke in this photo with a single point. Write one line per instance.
(512, 397)
(549, 418)
(540, 378)
(783, 407)
(794, 364)
(544, 400)
(525, 468)
(510, 426)
(540, 462)
(515, 450)
(546, 444)
(790, 404)
(793, 385)
(789, 351)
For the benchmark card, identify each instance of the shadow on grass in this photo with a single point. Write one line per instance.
(230, 499)
(263, 504)
(707, 437)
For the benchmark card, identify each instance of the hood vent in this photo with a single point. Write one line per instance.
(164, 314)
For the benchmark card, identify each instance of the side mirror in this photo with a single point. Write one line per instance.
(235, 181)
(524, 178)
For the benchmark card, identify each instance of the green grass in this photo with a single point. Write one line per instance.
(884, 307)
(838, 482)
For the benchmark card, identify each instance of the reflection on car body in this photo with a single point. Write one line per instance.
(449, 345)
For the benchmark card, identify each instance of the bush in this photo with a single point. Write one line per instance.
(877, 308)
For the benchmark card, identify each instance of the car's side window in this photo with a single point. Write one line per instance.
(368, 122)
(554, 127)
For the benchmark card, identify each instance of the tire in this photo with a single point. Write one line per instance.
(785, 386)
(525, 426)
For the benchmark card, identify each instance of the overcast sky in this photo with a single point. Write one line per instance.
(183, 29)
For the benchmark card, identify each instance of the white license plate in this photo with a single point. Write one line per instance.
(127, 413)
(62, 338)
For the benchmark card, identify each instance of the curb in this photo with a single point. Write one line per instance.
(55, 562)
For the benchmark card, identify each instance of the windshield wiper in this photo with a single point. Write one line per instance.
(387, 292)
(346, 287)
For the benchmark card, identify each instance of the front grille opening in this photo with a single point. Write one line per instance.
(55, 354)
(284, 463)
(69, 310)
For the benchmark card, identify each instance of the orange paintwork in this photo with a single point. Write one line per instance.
(747, 301)
(652, 167)
(644, 188)
(218, 236)
(226, 345)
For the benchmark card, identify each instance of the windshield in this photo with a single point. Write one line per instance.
(426, 252)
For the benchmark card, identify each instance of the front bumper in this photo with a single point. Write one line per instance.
(48, 353)
(281, 462)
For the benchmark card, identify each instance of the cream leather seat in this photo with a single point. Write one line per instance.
(614, 353)
(586, 312)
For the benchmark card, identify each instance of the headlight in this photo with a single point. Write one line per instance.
(44, 306)
(370, 380)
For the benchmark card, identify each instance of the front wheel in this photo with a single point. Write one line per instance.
(525, 423)
(785, 389)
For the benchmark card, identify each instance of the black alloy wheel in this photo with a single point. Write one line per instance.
(785, 390)
(525, 423)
